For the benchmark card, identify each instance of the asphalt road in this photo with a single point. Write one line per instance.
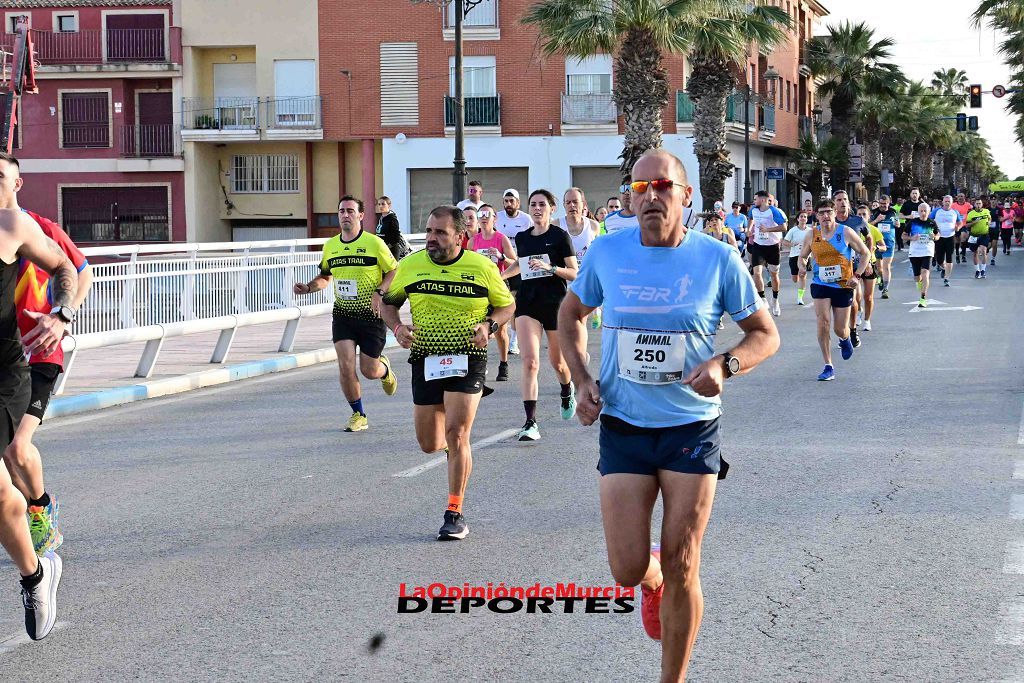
(238, 534)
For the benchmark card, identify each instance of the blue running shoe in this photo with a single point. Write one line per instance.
(827, 374)
(846, 347)
(569, 403)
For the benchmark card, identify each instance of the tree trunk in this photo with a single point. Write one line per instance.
(872, 163)
(641, 95)
(918, 173)
(709, 86)
(842, 128)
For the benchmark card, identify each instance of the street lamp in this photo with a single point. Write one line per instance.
(771, 75)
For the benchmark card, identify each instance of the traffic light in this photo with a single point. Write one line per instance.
(961, 122)
(975, 96)
(972, 123)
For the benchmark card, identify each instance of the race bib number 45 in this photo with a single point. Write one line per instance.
(651, 357)
(346, 290)
(442, 367)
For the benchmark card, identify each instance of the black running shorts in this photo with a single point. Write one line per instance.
(944, 249)
(431, 393)
(545, 314)
(919, 263)
(44, 376)
(762, 254)
(693, 448)
(369, 335)
(840, 296)
(15, 390)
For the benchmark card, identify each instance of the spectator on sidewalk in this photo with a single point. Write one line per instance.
(389, 231)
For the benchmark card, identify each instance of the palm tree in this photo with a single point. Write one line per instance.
(853, 66)
(814, 160)
(638, 33)
(951, 82)
(720, 44)
(1007, 17)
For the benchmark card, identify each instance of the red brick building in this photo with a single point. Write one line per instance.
(531, 122)
(99, 145)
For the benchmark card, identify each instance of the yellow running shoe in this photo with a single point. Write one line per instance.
(389, 382)
(357, 423)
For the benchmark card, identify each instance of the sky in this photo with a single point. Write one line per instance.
(934, 34)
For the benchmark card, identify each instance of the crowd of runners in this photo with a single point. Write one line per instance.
(653, 277)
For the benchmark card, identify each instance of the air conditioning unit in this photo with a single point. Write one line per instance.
(804, 70)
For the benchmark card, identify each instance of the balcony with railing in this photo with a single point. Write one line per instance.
(220, 118)
(589, 109)
(293, 117)
(685, 109)
(805, 126)
(117, 48)
(478, 112)
(149, 141)
(766, 121)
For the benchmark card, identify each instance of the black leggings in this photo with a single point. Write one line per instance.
(1007, 236)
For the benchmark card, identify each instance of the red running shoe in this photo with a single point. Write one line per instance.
(650, 603)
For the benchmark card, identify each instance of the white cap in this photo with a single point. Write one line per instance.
(511, 191)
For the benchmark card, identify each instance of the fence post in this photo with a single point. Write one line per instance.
(149, 356)
(290, 330)
(224, 341)
(128, 295)
(186, 307)
(288, 281)
(242, 284)
(62, 378)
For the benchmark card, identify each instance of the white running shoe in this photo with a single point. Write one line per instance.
(513, 347)
(41, 600)
(776, 308)
(867, 325)
(860, 319)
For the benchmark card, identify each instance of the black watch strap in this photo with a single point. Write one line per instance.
(492, 326)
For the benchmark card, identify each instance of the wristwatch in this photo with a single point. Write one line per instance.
(379, 291)
(492, 326)
(732, 364)
(65, 313)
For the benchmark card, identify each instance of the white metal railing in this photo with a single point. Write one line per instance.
(149, 292)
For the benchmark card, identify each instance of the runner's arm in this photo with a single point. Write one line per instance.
(47, 254)
(569, 270)
(853, 238)
(508, 252)
(760, 341)
(84, 285)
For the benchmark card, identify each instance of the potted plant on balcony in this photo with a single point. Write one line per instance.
(205, 122)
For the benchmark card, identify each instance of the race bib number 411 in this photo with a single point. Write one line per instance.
(346, 290)
(651, 357)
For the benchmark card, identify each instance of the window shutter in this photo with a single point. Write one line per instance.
(399, 84)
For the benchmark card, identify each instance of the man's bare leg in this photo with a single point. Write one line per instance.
(688, 499)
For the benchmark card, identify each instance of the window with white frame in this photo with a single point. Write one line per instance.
(12, 20)
(66, 23)
(264, 173)
(479, 77)
(589, 76)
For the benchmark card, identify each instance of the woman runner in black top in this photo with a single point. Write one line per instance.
(546, 262)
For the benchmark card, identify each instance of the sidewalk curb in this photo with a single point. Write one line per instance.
(108, 398)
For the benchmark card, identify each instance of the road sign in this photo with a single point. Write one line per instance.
(998, 90)
(775, 173)
(856, 176)
(856, 163)
(855, 150)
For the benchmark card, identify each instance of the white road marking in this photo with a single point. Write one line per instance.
(930, 302)
(1020, 432)
(17, 640)
(947, 308)
(184, 396)
(431, 464)
(1014, 562)
(1018, 468)
(1012, 632)
(1017, 506)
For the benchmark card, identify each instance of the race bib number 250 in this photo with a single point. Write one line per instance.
(651, 357)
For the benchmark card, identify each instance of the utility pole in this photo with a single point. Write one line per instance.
(459, 170)
(747, 196)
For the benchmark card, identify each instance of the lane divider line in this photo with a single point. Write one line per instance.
(431, 464)
(1017, 506)
(1014, 562)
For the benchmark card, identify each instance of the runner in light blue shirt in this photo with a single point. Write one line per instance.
(664, 288)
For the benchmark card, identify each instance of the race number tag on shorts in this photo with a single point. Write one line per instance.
(651, 357)
(346, 290)
(442, 367)
(830, 273)
(972, 240)
(528, 273)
